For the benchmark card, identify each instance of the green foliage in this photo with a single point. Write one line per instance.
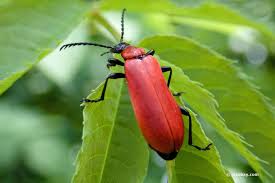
(221, 19)
(138, 6)
(234, 92)
(208, 165)
(30, 30)
(113, 149)
(216, 92)
(212, 16)
(26, 143)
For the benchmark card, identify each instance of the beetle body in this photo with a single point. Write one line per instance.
(156, 111)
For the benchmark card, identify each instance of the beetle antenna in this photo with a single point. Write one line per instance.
(122, 25)
(83, 44)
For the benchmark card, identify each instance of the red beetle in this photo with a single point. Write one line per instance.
(158, 114)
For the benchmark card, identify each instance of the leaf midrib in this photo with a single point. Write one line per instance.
(112, 129)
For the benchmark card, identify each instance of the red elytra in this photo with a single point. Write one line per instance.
(157, 113)
(156, 110)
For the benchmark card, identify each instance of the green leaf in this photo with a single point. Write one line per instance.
(219, 76)
(113, 149)
(194, 166)
(216, 17)
(137, 6)
(215, 13)
(211, 16)
(114, 120)
(29, 30)
(208, 165)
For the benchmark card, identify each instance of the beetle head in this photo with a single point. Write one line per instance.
(119, 47)
(112, 49)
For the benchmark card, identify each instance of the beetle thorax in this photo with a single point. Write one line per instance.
(132, 52)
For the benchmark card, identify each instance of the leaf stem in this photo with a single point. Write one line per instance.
(170, 165)
(206, 24)
(98, 18)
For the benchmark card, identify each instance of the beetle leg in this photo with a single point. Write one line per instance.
(150, 52)
(110, 76)
(114, 62)
(166, 69)
(190, 142)
(177, 94)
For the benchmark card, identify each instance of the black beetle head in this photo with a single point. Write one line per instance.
(119, 47)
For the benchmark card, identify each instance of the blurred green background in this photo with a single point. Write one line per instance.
(41, 117)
